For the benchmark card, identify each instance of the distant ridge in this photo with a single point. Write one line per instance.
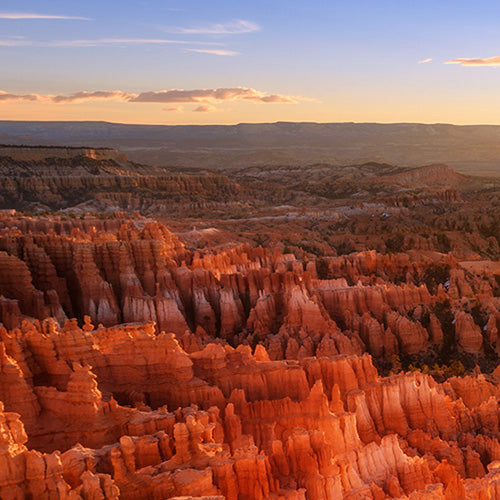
(38, 146)
(471, 149)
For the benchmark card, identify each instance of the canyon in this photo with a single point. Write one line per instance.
(288, 332)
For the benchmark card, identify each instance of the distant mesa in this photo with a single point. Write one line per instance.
(40, 153)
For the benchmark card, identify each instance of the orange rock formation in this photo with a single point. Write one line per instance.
(236, 374)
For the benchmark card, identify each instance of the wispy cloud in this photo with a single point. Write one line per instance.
(215, 52)
(203, 97)
(205, 108)
(236, 27)
(174, 109)
(99, 42)
(476, 61)
(425, 61)
(29, 15)
(7, 96)
(84, 96)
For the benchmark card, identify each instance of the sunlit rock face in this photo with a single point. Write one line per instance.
(133, 367)
(137, 416)
(135, 270)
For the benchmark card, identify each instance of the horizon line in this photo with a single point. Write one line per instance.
(258, 123)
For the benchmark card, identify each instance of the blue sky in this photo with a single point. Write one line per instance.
(300, 61)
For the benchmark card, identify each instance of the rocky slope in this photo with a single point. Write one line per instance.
(440, 176)
(343, 346)
(84, 179)
(319, 209)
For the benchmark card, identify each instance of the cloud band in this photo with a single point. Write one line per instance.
(30, 15)
(173, 96)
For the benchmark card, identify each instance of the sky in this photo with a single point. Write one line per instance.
(220, 61)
